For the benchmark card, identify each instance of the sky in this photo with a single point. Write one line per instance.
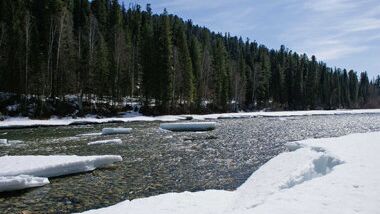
(342, 33)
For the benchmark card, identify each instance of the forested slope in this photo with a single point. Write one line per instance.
(101, 49)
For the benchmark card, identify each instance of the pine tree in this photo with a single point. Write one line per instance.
(264, 76)
(278, 76)
(353, 87)
(345, 90)
(186, 68)
(118, 47)
(221, 76)
(165, 64)
(149, 82)
(195, 53)
(310, 89)
(364, 88)
(101, 69)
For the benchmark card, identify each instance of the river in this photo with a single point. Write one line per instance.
(157, 161)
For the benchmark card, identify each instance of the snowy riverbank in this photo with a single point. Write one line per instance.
(22, 122)
(332, 175)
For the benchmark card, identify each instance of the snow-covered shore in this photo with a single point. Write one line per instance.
(20, 172)
(22, 122)
(331, 175)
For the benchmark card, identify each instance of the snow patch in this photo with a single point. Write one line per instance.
(320, 167)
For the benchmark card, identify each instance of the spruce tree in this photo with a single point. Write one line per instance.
(353, 87)
(149, 83)
(221, 77)
(195, 53)
(186, 67)
(165, 63)
(364, 88)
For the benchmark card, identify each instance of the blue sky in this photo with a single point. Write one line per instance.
(343, 33)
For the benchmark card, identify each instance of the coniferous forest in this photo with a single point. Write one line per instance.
(101, 50)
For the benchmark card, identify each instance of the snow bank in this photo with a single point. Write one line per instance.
(112, 141)
(9, 183)
(52, 166)
(210, 202)
(113, 131)
(283, 114)
(332, 175)
(201, 126)
(22, 122)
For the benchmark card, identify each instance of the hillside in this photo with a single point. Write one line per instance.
(77, 57)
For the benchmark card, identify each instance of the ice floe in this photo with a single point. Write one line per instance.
(330, 175)
(113, 131)
(10, 183)
(196, 126)
(3, 142)
(111, 141)
(52, 166)
(89, 134)
(47, 166)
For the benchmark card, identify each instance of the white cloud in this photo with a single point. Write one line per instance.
(335, 29)
(335, 6)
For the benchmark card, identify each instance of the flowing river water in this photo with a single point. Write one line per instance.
(157, 161)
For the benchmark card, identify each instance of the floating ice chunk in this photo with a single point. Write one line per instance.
(89, 134)
(3, 142)
(112, 141)
(10, 183)
(53, 166)
(12, 142)
(112, 131)
(199, 126)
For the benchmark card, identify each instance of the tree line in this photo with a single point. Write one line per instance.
(99, 48)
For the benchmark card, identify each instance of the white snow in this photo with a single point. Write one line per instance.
(10, 183)
(199, 126)
(19, 172)
(20, 122)
(284, 114)
(331, 175)
(111, 141)
(113, 131)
